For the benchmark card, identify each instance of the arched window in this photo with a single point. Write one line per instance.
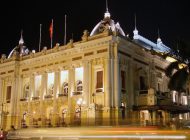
(50, 89)
(26, 91)
(79, 86)
(65, 88)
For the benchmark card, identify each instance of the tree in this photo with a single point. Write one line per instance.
(179, 75)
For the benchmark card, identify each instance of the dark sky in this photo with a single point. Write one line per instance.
(172, 17)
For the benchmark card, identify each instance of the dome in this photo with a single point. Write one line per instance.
(21, 49)
(107, 22)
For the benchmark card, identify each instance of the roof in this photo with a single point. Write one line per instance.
(107, 22)
(146, 43)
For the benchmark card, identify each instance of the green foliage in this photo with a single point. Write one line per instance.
(169, 70)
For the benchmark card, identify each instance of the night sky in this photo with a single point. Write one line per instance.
(172, 17)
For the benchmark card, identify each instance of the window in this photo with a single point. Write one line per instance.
(65, 88)
(142, 83)
(143, 87)
(50, 89)
(99, 81)
(79, 86)
(158, 86)
(38, 81)
(8, 97)
(26, 91)
(123, 75)
(78, 80)
(50, 83)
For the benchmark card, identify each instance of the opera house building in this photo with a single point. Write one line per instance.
(106, 78)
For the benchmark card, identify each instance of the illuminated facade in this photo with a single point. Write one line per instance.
(104, 79)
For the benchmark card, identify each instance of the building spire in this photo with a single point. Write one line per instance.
(107, 14)
(107, 6)
(135, 22)
(21, 41)
(159, 39)
(135, 32)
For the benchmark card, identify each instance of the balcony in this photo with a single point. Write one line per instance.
(146, 97)
(48, 96)
(24, 99)
(35, 98)
(62, 94)
(77, 92)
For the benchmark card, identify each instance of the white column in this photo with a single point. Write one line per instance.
(14, 98)
(56, 84)
(90, 98)
(21, 93)
(55, 91)
(1, 100)
(117, 89)
(1, 90)
(107, 82)
(86, 82)
(71, 82)
(44, 84)
(112, 83)
(32, 86)
(71, 110)
(19, 96)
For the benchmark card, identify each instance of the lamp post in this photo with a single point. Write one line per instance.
(80, 103)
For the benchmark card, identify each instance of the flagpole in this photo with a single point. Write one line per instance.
(52, 35)
(65, 37)
(40, 37)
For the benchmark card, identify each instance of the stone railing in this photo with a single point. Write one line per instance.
(48, 96)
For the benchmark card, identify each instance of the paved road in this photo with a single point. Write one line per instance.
(98, 133)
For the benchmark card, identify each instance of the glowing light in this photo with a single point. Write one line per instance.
(122, 137)
(38, 81)
(181, 66)
(170, 59)
(79, 74)
(64, 76)
(50, 78)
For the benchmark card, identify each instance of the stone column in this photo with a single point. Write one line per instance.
(86, 82)
(117, 85)
(107, 82)
(1, 99)
(152, 74)
(132, 95)
(43, 91)
(85, 92)
(18, 111)
(14, 99)
(90, 97)
(117, 91)
(106, 112)
(56, 91)
(71, 109)
(31, 94)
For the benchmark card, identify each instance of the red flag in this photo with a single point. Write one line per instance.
(51, 29)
